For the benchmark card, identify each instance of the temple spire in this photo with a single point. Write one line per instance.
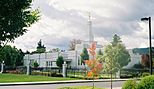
(91, 38)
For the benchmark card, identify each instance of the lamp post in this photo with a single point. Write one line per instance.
(2, 67)
(64, 66)
(150, 51)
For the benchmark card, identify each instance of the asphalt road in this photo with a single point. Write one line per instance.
(56, 86)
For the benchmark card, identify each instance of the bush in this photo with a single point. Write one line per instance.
(126, 76)
(145, 74)
(35, 64)
(146, 83)
(52, 74)
(56, 75)
(130, 84)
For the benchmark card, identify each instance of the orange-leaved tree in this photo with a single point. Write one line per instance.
(95, 66)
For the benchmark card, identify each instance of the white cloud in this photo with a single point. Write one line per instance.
(63, 20)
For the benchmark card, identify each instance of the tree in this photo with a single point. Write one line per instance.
(116, 40)
(60, 61)
(35, 64)
(84, 55)
(15, 17)
(94, 65)
(55, 50)
(19, 60)
(145, 60)
(27, 52)
(40, 48)
(138, 66)
(100, 52)
(73, 43)
(99, 55)
(11, 56)
(115, 55)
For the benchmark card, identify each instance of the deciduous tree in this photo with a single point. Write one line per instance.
(115, 55)
(15, 17)
(93, 64)
(11, 56)
(145, 60)
(73, 43)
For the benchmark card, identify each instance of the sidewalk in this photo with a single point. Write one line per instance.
(59, 82)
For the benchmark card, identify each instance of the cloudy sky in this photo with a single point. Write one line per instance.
(64, 20)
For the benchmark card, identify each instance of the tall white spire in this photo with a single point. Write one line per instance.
(91, 38)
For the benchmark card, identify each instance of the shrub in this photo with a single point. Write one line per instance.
(35, 64)
(130, 84)
(56, 75)
(145, 74)
(146, 83)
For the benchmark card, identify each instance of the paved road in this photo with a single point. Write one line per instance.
(55, 86)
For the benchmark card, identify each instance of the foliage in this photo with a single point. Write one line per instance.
(115, 55)
(51, 74)
(84, 55)
(56, 75)
(55, 50)
(11, 56)
(146, 83)
(100, 52)
(116, 40)
(100, 55)
(145, 74)
(60, 61)
(129, 84)
(145, 60)
(40, 48)
(15, 17)
(73, 43)
(35, 64)
(94, 65)
(138, 66)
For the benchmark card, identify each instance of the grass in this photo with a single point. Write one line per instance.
(6, 78)
(80, 87)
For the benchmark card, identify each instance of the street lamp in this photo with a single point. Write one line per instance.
(150, 51)
(2, 67)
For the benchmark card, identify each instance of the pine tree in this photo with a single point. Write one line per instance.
(84, 55)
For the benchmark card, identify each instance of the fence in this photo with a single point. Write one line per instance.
(80, 73)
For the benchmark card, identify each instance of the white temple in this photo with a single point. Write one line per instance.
(72, 57)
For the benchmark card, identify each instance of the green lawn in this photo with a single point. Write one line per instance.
(80, 87)
(28, 78)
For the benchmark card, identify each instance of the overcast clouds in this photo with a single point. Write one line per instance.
(63, 20)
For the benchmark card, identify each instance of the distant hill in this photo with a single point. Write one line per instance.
(142, 50)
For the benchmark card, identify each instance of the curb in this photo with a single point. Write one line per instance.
(60, 82)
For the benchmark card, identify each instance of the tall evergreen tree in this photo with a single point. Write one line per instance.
(40, 48)
(60, 61)
(116, 40)
(84, 55)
